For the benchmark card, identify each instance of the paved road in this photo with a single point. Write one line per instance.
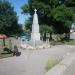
(32, 62)
(71, 69)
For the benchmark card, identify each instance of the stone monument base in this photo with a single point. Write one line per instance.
(72, 35)
(35, 36)
(35, 46)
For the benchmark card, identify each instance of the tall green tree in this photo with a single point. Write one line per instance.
(8, 18)
(44, 30)
(55, 13)
(70, 3)
(44, 8)
(62, 19)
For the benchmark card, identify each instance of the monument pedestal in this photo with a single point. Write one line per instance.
(35, 36)
(72, 35)
(35, 39)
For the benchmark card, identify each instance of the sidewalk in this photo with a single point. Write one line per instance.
(70, 70)
(64, 67)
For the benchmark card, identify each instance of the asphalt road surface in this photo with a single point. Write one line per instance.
(71, 69)
(32, 62)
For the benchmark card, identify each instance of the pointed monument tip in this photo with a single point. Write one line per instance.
(35, 10)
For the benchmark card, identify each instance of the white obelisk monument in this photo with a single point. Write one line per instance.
(35, 35)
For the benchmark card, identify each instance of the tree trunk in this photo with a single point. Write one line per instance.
(50, 36)
(44, 37)
(3, 42)
(67, 36)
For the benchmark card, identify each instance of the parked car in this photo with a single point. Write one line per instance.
(24, 38)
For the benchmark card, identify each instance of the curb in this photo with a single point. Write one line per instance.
(62, 66)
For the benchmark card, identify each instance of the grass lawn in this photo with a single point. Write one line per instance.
(70, 42)
(4, 54)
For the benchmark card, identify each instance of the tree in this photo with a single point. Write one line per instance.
(55, 13)
(44, 8)
(8, 18)
(18, 29)
(70, 3)
(28, 24)
(63, 18)
(44, 29)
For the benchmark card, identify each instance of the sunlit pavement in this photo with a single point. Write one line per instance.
(70, 70)
(33, 62)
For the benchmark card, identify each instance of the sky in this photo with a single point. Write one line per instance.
(17, 7)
